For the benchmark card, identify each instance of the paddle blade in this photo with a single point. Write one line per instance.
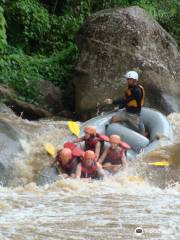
(161, 164)
(50, 149)
(74, 128)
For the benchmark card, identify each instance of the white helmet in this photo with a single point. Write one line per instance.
(132, 74)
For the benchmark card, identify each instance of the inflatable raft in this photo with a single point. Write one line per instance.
(157, 125)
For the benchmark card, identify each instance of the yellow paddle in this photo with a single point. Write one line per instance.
(160, 164)
(50, 149)
(74, 128)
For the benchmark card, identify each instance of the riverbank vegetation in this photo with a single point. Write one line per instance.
(37, 38)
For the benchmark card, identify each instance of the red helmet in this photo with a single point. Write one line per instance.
(65, 154)
(89, 155)
(115, 139)
(90, 130)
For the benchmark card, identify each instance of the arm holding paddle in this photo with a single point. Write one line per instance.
(77, 140)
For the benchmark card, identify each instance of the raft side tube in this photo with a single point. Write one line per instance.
(157, 124)
(48, 176)
(134, 139)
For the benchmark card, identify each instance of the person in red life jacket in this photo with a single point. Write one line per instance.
(132, 102)
(67, 162)
(93, 140)
(89, 167)
(114, 158)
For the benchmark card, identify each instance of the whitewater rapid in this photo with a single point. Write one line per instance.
(76, 209)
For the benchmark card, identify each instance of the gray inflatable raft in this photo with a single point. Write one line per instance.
(160, 133)
(48, 176)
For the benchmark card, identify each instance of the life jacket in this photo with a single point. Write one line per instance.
(76, 155)
(134, 103)
(76, 152)
(88, 172)
(124, 145)
(115, 156)
(68, 166)
(102, 137)
(90, 143)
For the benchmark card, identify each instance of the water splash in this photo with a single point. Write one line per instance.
(77, 209)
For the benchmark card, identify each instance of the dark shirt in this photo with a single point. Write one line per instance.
(136, 95)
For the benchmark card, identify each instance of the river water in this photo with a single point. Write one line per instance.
(77, 209)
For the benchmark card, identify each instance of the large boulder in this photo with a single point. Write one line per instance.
(10, 145)
(20, 107)
(113, 41)
(50, 95)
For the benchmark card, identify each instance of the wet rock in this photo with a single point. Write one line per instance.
(66, 114)
(113, 41)
(21, 108)
(5, 91)
(28, 110)
(50, 95)
(10, 145)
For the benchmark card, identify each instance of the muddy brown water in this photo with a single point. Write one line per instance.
(91, 210)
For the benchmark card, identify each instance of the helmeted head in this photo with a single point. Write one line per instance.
(89, 157)
(65, 154)
(132, 77)
(90, 131)
(114, 140)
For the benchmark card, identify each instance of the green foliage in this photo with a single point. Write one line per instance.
(103, 4)
(61, 34)
(166, 13)
(85, 8)
(28, 23)
(33, 29)
(58, 68)
(23, 72)
(3, 41)
(159, 9)
(18, 71)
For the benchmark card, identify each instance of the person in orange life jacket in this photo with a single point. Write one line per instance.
(67, 163)
(89, 167)
(132, 101)
(93, 140)
(113, 158)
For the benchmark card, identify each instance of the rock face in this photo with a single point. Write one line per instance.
(22, 108)
(114, 41)
(10, 145)
(50, 95)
